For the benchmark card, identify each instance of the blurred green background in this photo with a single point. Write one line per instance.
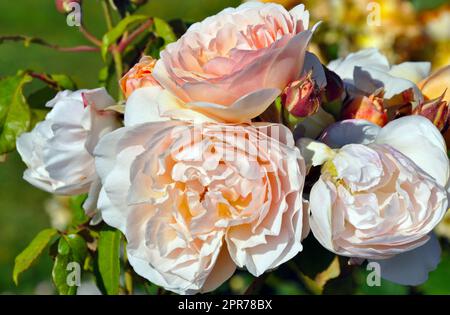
(22, 212)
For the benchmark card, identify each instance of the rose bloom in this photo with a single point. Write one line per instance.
(232, 66)
(58, 151)
(196, 201)
(367, 71)
(139, 76)
(382, 198)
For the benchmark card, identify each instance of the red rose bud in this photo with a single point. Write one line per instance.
(302, 97)
(63, 6)
(334, 90)
(436, 111)
(370, 108)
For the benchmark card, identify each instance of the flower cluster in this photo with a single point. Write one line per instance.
(208, 172)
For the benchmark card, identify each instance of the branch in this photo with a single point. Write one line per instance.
(126, 41)
(38, 41)
(90, 37)
(43, 78)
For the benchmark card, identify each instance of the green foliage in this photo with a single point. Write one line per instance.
(79, 216)
(108, 260)
(314, 259)
(421, 5)
(15, 115)
(165, 31)
(113, 35)
(33, 251)
(438, 279)
(72, 248)
(62, 82)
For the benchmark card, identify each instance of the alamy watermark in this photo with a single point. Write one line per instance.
(74, 15)
(374, 277)
(374, 16)
(73, 278)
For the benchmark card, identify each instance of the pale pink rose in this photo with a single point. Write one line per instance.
(373, 202)
(380, 194)
(197, 201)
(233, 65)
(139, 76)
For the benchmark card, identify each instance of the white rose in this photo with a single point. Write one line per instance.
(380, 200)
(368, 70)
(58, 151)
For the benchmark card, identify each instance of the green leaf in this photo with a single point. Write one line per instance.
(37, 99)
(63, 82)
(60, 272)
(438, 279)
(165, 31)
(154, 47)
(78, 214)
(108, 260)
(59, 276)
(78, 247)
(113, 35)
(340, 285)
(33, 251)
(63, 247)
(314, 259)
(15, 115)
(386, 288)
(72, 248)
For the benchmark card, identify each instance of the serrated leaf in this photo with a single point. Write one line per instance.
(114, 34)
(15, 114)
(33, 251)
(108, 260)
(164, 30)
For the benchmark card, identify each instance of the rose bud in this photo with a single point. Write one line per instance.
(63, 6)
(302, 97)
(139, 76)
(436, 111)
(370, 108)
(334, 90)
